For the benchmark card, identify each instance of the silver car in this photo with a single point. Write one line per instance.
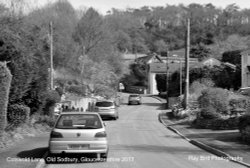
(134, 99)
(106, 108)
(79, 132)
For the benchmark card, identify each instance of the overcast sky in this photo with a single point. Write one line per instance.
(104, 5)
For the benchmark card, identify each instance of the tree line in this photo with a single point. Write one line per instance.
(220, 33)
(85, 58)
(88, 46)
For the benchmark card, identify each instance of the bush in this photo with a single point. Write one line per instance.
(199, 85)
(216, 98)
(18, 114)
(225, 124)
(43, 119)
(244, 121)
(237, 101)
(50, 99)
(77, 89)
(244, 127)
(5, 81)
(59, 91)
(217, 123)
(209, 112)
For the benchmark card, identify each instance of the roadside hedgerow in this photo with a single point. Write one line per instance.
(50, 99)
(239, 102)
(44, 120)
(217, 123)
(209, 112)
(5, 82)
(216, 98)
(244, 127)
(244, 121)
(18, 114)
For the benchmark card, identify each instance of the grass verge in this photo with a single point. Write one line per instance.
(37, 125)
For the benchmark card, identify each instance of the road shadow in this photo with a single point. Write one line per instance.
(33, 153)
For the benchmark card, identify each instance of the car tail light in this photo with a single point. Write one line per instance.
(54, 134)
(101, 134)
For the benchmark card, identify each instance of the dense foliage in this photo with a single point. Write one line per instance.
(244, 125)
(214, 99)
(88, 46)
(18, 114)
(137, 76)
(5, 80)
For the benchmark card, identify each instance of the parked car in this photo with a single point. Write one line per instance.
(107, 109)
(79, 132)
(134, 99)
(244, 91)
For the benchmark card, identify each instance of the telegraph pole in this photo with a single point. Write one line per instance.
(167, 98)
(186, 94)
(51, 56)
(180, 77)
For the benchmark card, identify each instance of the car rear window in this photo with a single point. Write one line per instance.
(78, 121)
(104, 104)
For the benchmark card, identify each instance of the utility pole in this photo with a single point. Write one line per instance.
(186, 94)
(51, 56)
(167, 98)
(180, 77)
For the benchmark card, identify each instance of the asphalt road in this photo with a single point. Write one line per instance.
(139, 140)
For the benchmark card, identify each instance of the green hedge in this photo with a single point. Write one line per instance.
(215, 98)
(5, 81)
(244, 127)
(244, 121)
(44, 119)
(77, 89)
(217, 123)
(209, 112)
(50, 99)
(18, 114)
(239, 102)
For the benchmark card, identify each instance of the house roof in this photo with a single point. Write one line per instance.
(211, 62)
(147, 58)
(130, 56)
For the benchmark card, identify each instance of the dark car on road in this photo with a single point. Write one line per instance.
(134, 99)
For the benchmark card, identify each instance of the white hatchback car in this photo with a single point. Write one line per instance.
(107, 108)
(79, 132)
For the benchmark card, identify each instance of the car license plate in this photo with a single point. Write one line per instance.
(77, 146)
